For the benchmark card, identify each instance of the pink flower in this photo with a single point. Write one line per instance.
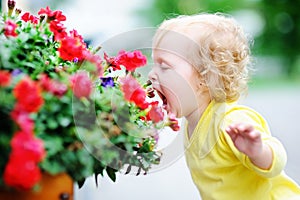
(131, 60)
(173, 122)
(54, 87)
(10, 28)
(133, 92)
(26, 145)
(81, 84)
(45, 82)
(155, 114)
(23, 120)
(58, 89)
(95, 59)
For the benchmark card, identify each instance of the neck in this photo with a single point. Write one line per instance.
(194, 117)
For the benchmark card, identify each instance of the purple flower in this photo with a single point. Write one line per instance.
(16, 72)
(75, 60)
(107, 82)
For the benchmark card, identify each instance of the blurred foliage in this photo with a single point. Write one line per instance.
(282, 28)
(281, 20)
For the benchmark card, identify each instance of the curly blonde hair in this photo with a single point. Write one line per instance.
(221, 54)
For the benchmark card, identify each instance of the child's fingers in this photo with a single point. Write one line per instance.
(254, 135)
(243, 129)
(240, 128)
(232, 132)
(248, 131)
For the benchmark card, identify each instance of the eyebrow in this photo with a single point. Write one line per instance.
(160, 58)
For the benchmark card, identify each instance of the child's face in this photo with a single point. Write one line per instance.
(176, 82)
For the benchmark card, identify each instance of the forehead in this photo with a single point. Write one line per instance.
(174, 43)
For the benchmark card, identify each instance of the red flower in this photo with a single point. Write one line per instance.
(10, 28)
(26, 145)
(22, 169)
(112, 62)
(21, 173)
(28, 95)
(133, 92)
(5, 78)
(131, 60)
(77, 36)
(47, 11)
(71, 48)
(58, 30)
(81, 85)
(28, 17)
(52, 15)
(155, 114)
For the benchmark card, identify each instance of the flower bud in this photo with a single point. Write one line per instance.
(173, 122)
(11, 6)
(18, 11)
(148, 83)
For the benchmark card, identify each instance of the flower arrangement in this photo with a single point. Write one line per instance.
(65, 109)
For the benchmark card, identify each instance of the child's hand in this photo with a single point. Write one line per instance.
(245, 138)
(248, 141)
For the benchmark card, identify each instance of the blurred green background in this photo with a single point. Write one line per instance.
(274, 26)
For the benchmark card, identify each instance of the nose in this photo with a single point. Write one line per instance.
(152, 76)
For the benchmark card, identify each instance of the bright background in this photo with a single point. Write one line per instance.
(274, 91)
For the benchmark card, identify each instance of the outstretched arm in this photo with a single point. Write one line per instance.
(248, 141)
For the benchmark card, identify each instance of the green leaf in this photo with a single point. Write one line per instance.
(128, 169)
(52, 166)
(52, 124)
(64, 121)
(98, 169)
(80, 183)
(111, 173)
(96, 178)
(53, 144)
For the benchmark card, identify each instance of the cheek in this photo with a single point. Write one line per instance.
(180, 95)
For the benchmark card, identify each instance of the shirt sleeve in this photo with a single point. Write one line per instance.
(244, 114)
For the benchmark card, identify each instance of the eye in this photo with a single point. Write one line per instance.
(164, 66)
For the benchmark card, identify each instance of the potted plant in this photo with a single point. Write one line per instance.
(65, 109)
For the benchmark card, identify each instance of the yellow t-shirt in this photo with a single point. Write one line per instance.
(221, 172)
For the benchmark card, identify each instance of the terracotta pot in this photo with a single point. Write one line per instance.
(58, 187)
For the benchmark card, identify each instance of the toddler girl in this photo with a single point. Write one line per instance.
(201, 69)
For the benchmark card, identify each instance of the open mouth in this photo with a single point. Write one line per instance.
(163, 98)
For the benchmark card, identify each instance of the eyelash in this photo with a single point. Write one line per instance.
(164, 66)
